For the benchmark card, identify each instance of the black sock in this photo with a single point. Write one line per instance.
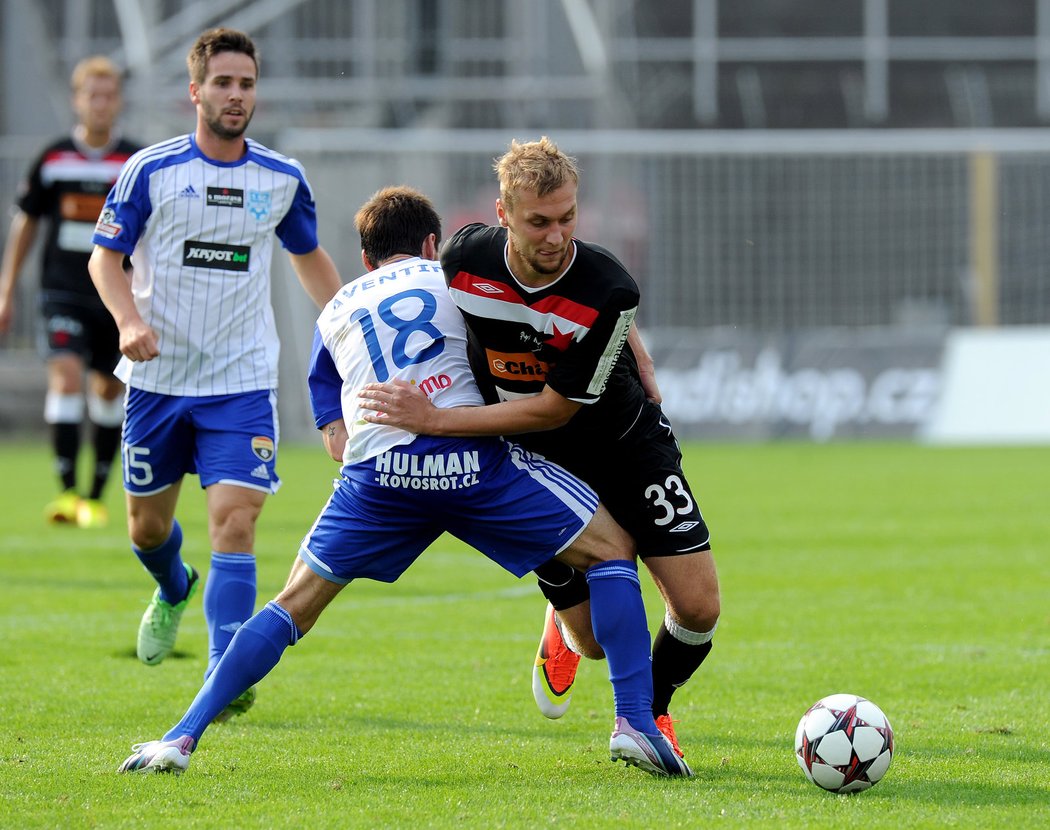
(673, 664)
(65, 440)
(107, 441)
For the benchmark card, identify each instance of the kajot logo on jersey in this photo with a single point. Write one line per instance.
(212, 255)
(259, 204)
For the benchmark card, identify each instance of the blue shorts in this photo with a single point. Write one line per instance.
(516, 508)
(224, 439)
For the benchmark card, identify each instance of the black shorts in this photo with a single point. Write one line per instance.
(85, 329)
(640, 480)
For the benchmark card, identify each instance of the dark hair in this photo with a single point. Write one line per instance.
(214, 42)
(396, 220)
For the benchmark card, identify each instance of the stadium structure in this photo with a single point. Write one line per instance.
(830, 205)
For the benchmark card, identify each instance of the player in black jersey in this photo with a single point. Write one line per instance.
(556, 353)
(67, 187)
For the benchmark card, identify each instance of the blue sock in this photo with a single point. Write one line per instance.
(618, 620)
(229, 600)
(254, 651)
(164, 564)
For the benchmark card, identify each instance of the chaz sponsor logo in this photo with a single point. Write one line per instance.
(516, 365)
(209, 255)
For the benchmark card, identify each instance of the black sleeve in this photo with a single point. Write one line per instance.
(34, 197)
(451, 255)
(583, 371)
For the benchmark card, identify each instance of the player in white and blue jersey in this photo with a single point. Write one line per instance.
(398, 492)
(198, 215)
(554, 349)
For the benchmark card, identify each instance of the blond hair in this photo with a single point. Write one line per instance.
(95, 66)
(537, 166)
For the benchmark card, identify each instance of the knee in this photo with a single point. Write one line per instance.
(698, 613)
(234, 530)
(147, 531)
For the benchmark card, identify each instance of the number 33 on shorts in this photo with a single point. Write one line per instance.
(672, 500)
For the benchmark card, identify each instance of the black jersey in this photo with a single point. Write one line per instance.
(569, 335)
(67, 186)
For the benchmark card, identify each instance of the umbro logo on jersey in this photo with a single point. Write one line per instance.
(261, 472)
(189, 193)
(211, 255)
(488, 288)
(684, 527)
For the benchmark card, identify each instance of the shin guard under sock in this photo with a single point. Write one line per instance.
(255, 649)
(618, 620)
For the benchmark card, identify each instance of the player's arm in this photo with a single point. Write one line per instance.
(138, 341)
(404, 405)
(20, 239)
(318, 274)
(646, 367)
(335, 436)
(325, 387)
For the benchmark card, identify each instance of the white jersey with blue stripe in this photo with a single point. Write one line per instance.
(200, 236)
(395, 323)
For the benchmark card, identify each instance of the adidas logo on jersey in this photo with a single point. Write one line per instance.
(189, 193)
(261, 472)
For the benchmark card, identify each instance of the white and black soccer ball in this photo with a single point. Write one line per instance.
(844, 743)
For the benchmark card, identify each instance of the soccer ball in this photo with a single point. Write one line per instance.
(844, 743)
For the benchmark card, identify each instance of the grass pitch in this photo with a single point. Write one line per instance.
(914, 576)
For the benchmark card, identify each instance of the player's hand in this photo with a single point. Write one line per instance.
(138, 342)
(397, 404)
(649, 384)
(646, 367)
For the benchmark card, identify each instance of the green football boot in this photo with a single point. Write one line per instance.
(160, 623)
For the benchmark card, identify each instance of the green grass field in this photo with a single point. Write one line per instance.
(914, 576)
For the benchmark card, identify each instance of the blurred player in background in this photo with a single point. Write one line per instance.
(549, 318)
(67, 186)
(398, 492)
(198, 214)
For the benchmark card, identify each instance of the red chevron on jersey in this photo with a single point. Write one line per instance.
(566, 309)
(568, 334)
